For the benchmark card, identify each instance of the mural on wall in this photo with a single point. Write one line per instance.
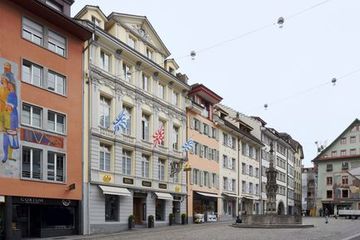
(41, 138)
(9, 119)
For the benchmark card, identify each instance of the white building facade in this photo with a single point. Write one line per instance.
(125, 173)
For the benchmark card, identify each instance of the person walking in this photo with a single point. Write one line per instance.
(326, 212)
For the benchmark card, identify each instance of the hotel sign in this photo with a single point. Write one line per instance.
(146, 183)
(128, 180)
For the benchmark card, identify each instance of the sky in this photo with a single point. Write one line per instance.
(290, 68)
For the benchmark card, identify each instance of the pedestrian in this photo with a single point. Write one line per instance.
(326, 212)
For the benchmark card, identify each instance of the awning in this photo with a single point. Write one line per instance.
(208, 194)
(250, 197)
(115, 191)
(230, 195)
(164, 196)
(2, 199)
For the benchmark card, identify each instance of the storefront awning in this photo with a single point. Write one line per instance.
(230, 195)
(208, 194)
(164, 196)
(250, 197)
(115, 191)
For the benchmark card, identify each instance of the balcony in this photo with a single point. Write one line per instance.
(196, 107)
(128, 139)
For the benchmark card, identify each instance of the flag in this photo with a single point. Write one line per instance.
(188, 145)
(159, 136)
(120, 122)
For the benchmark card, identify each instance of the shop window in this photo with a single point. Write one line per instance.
(65, 217)
(111, 208)
(160, 210)
(31, 163)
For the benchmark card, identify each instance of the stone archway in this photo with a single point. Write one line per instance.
(281, 208)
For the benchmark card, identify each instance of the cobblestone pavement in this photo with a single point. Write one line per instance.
(336, 229)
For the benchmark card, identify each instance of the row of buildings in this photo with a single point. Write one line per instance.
(65, 80)
(334, 181)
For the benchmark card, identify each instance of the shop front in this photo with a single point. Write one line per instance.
(205, 206)
(40, 217)
(2, 217)
(229, 207)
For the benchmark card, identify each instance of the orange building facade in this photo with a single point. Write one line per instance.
(203, 179)
(40, 119)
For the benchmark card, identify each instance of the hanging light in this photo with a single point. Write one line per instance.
(266, 106)
(280, 22)
(333, 81)
(193, 55)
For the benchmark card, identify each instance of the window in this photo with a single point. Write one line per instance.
(343, 152)
(149, 53)
(105, 151)
(233, 143)
(251, 188)
(329, 194)
(111, 208)
(105, 61)
(32, 31)
(31, 115)
(329, 181)
(31, 163)
(233, 163)
(214, 132)
(127, 111)
(126, 162)
(56, 167)
(162, 91)
(56, 122)
(160, 210)
(176, 99)
(56, 83)
(206, 179)
(131, 42)
(196, 176)
(145, 166)
(233, 185)
(345, 165)
(95, 21)
(250, 170)
(345, 180)
(225, 183)
(256, 188)
(343, 140)
(243, 186)
(333, 153)
(243, 168)
(345, 193)
(127, 72)
(225, 139)
(32, 73)
(176, 138)
(145, 82)
(105, 108)
(256, 172)
(145, 127)
(56, 43)
(161, 169)
(353, 151)
(54, 5)
(329, 167)
(353, 139)
(225, 161)
(214, 180)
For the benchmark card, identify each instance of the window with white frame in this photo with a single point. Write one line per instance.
(161, 169)
(233, 185)
(225, 161)
(162, 124)
(31, 163)
(95, 21)
(32, 31)
(161, 91)
(127, 72)
(128, 112)
(233, 163)
(31, 115)
(56, 167)
(145, 82)
(126, 162)
(32, 73)
(105, 156)
(206, 179)
(243, 186)
(251, 187)
(145, 160)
(56, 122)
(149, 53)
(56, 82)
(176, 137)
(105, 61)
(105, 109)
(225, 183)
(196, 176)
(176, 98)
(56, 43)
(145, 120)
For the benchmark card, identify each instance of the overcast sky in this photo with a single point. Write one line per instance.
(270, 66)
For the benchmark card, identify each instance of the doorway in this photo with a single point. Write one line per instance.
(176, 211)
(139, 210)
(281, 208)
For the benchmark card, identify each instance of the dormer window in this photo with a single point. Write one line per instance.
(171, 70)
(54, 5)
(95, 21)
(131, 42)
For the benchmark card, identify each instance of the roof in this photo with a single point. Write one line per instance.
(319, 156)
(355, 172)
(84, 10)
(55, 17)
(204, 92)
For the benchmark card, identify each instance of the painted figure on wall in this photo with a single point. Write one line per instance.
(9, 117)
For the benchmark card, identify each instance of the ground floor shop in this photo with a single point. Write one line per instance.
(205, 207)
(28, 217)
(250, 205)
(111, 206)
(229, 207)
